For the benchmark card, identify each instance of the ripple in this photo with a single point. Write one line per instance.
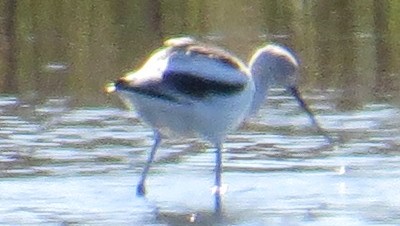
(277, 169)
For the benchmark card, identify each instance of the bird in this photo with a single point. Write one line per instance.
(188, 88)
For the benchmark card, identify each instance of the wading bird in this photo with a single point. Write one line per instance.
(192, 89)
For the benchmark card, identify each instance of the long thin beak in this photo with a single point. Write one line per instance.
(295, 92)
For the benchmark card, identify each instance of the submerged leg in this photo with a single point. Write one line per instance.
(217, 183)
(140, 189)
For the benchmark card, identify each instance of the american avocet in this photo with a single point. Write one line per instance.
(191, 89)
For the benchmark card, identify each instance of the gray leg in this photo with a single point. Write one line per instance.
(218, 171)
(140, 189)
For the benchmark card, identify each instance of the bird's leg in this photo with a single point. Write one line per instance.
(217, 183)
(140, 189)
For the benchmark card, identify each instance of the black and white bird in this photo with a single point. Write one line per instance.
(192, 89)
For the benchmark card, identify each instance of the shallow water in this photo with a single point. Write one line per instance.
(80, 166)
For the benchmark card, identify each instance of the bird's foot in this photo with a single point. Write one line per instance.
(140, 190)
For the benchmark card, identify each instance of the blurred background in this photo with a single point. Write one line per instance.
(71, 48)
(71, 154)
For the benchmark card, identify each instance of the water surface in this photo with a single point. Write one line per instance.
(70, 154)
(80, 166)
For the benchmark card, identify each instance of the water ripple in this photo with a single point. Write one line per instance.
(277, 169)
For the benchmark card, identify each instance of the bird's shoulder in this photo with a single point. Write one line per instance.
(191, 46)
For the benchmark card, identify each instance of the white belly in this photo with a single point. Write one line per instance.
(210, 118)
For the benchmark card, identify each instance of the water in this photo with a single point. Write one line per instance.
(63, 166)
(69, 154)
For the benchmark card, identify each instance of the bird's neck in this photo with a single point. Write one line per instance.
(262, 84)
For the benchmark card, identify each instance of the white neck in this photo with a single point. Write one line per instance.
(262, 84)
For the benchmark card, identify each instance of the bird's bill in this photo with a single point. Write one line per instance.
(295, 92)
